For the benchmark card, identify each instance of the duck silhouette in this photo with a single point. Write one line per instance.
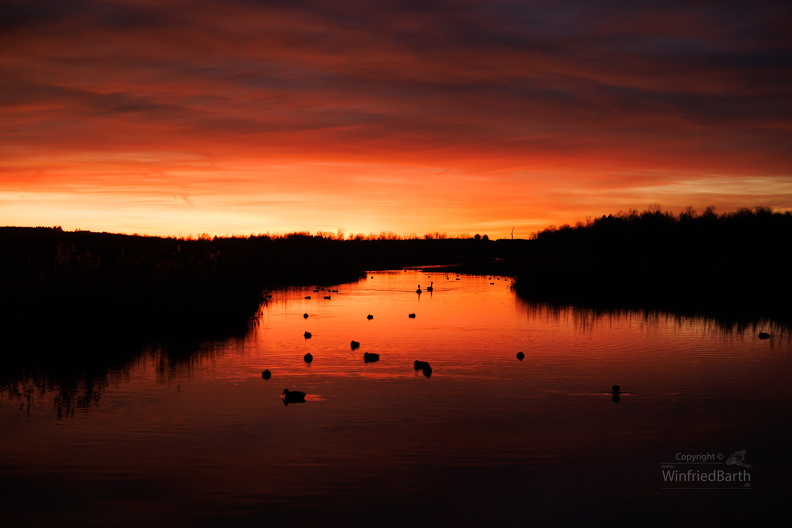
(368, 357)
(424, 367)
(292, 397)
(354, 345)
(764, 335)
(307, 335)
(418, 290)
(308, 357)
(431, 287)
(305, 316)
(266, 374)
(411, 316)
(520, 356)
(616, 391)
(369, 317)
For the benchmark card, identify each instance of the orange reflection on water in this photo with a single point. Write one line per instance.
(472, 327)
(211, 440)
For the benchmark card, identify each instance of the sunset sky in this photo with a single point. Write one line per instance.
(460, 116)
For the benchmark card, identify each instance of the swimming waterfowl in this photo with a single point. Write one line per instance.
(368, 357)
(419, 289)
(266, 374)
(308, 357)
(305, 316)
(764, 335)
(424, 367)
(292, 396)
(616, 392)
(411, 316)
(369, 317)
(520, 356)
(354, 345)
(307, 335)
(431, 287)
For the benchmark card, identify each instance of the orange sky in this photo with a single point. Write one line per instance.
(245, 116)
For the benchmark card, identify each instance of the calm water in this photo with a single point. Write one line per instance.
(486, 440)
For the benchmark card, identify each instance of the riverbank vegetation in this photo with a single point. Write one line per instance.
(733, 263)
(61, 284)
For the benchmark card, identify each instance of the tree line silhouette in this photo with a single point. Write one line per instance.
(87, 284)
(709, 262)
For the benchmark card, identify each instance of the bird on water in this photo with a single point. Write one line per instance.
(308, 357)
(431, 287)
(520, 356)
(369, 357)
(266, 374)
(423, 366)
(292, 397)
(354, 345)
(419, 289)
(307, 335)
(369, 317)
(411, 316)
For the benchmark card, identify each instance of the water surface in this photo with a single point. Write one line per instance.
(200, 439)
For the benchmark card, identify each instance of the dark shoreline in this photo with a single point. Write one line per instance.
(730, 266)
(77, 287)
(71, 288)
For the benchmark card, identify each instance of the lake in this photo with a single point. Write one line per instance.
(192, 435)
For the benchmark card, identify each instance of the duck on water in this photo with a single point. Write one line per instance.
(423, 366)
(292, 397)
